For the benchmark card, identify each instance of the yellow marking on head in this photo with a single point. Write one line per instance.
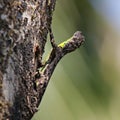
(62, 45)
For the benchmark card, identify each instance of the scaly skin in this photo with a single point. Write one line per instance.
(55, 56)
(64, 43)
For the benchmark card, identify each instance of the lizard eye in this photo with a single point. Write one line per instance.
(37, 75)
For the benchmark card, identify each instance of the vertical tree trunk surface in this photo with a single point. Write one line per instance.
(24, 25)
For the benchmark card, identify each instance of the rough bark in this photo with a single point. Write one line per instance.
(23, 31)
(24, 25)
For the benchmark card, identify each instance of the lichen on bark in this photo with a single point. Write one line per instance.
(23, 31)
(24, 26)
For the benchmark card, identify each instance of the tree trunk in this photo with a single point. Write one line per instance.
(24, 25)
(23, 32)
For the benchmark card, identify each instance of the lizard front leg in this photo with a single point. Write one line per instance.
(52, 40)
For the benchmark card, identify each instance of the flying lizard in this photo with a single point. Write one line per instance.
(44, 73)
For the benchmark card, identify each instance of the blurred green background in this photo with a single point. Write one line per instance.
(85, 84)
